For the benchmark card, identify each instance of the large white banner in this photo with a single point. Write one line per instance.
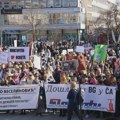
(4, 57)
(96, 97)
(56, 95)
(19, 97)
(100, 98)
(18, 54)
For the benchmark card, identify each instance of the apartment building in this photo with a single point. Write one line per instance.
(50, 19)
(99, 6)
(93, 9)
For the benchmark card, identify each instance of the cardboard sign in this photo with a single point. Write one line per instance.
(18, 54)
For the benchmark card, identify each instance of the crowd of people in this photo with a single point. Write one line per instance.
(96, 73)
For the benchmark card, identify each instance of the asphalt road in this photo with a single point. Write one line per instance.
(45, 116)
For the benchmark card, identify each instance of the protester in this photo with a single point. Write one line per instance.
(72, 101)
(104, 72)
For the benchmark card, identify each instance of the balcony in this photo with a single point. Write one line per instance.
(44, 27)
(52, 10)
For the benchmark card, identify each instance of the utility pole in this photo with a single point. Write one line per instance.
(80, 106)
(1, 39)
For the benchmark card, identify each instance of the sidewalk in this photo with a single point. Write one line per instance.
(33, 116)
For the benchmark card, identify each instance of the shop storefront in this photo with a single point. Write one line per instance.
(9, 37)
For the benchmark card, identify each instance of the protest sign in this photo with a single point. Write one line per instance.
(19, 97)
(100, 98)
(56, 95)
(18, 54)
(96, 97)
(37, 63)
(4, 57)
(81, 61)
(80, 49)
(100, 53)
(70, 65)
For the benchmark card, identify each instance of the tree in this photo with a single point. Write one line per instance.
(116, 17)
(34, 20)
(109, 21)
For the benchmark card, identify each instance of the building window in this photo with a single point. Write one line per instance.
(43, 3)
(21, 3)
(73, 3)
(35, 3)
(65, 3)
(57, 3)
(6, 5)
(70, 35)
(0, 4)
(28, 4)
(50, 3)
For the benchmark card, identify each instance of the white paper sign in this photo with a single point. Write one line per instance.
(15, 43)
(19, 97)
(4, 57)
(37, 63)
(18, 54)
(80, 49)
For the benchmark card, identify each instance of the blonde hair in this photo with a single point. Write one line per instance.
(73, 85)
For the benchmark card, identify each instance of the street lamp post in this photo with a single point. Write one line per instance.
(80, 107)
(1, 39)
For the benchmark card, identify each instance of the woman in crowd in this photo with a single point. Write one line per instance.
(72, 101)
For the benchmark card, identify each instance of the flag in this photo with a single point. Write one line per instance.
(100, 53)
